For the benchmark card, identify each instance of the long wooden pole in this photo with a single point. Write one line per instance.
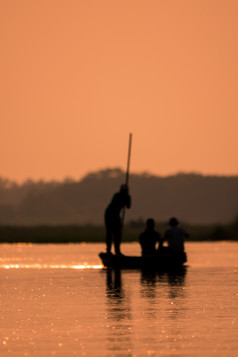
(128, 159)
(127, 180)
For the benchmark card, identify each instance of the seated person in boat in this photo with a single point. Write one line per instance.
(175, 236)
(149, 238)
(113, 223)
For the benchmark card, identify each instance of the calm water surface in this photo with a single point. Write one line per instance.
(56, 300)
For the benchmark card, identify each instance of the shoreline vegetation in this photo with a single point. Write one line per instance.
(96, 233)
(190, 197)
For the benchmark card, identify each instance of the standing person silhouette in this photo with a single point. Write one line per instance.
(112, 217)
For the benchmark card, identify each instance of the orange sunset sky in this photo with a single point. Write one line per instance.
(77, 76)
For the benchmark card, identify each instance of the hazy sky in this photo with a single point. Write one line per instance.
(77, 76)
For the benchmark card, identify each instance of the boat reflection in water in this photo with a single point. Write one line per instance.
(175, 281)
(118, 313)
(132, 306)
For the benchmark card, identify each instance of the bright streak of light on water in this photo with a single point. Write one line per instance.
(49, 266)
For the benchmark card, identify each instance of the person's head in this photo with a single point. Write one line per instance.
(173, 222)
(124, 188)
(150, 223)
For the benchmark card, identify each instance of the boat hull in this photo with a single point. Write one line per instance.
(161, 261)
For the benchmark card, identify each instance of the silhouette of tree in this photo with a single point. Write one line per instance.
(194, 198)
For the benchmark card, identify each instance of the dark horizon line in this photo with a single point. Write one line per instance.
(112, 169)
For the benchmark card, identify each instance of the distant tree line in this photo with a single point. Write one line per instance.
(193, 198)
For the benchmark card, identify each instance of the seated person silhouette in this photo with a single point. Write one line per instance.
(149, 238)
(175, 236)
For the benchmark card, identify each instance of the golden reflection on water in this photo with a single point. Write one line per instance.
(127, 315)
(57, 300)
(49, 266)
(119, 314)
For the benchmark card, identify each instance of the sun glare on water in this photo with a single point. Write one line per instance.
(50, 266)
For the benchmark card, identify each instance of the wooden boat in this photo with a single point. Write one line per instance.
(162, 261)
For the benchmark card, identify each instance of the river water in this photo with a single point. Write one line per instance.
(56, 300)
